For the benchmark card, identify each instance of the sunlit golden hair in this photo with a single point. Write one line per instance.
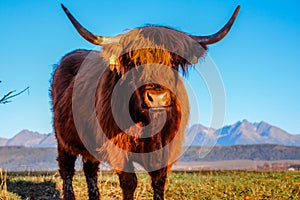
(153, 44)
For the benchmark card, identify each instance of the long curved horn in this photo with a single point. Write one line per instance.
(95, 39)
(211, 39)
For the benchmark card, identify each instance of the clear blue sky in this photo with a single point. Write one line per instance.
(258, 60)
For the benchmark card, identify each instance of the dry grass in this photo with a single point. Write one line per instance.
(246, 185)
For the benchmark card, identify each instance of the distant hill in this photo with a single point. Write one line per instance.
(3, 141)
(42, 159)
(48, 141)
(30, 159)
(243, 140)
(243, 132)
(198, 134)
(256, 133)
(28, 138)
(268, 152)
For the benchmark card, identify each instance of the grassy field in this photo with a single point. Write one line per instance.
(244, 185)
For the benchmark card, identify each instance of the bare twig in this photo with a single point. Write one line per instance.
(7, 97)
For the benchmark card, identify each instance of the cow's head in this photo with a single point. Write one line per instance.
(153, 55)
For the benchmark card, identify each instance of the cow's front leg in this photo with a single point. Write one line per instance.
(159, 180)
(128, 183)
(90, 169)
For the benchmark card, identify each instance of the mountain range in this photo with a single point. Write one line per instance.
(28, 138)
(240, 133)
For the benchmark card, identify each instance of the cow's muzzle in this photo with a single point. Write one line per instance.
(157, 99)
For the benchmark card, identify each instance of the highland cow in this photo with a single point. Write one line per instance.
(125, 104)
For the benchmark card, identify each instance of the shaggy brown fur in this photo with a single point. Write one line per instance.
(168, 49)
(154, 44)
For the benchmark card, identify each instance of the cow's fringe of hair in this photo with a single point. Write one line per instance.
(153, 44)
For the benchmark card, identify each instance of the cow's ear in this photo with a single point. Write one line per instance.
(114, 64)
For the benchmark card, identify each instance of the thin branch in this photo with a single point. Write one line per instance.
(6, 98)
